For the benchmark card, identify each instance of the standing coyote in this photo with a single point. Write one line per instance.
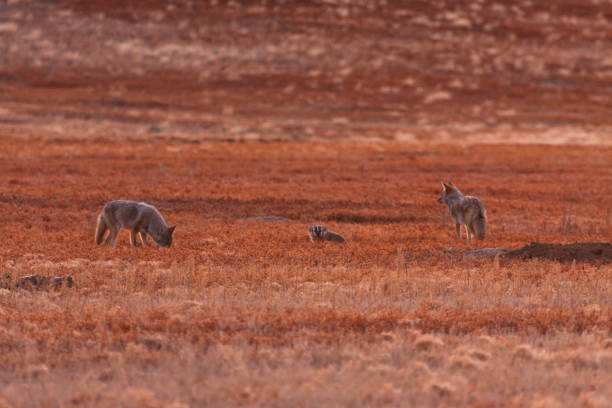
(138, 218)
(465, 210)
(320, 233)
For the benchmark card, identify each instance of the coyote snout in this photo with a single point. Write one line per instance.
(138, 218)
(464, 210)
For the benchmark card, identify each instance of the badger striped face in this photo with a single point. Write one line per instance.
(317, 232)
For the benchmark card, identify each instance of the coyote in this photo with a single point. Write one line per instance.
(465, 210)
(320, 233)
(139, 218)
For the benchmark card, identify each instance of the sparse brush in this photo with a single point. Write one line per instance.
(480, 355)
(463, 362)
(592, 399)
(545, 402)
(440, 388)
(140, 397)
(427, 342)
(525, 352)
(566, 222)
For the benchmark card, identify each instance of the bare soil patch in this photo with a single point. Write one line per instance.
(594, 252)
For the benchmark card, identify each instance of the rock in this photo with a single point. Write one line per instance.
(484, 253)
(39, 281)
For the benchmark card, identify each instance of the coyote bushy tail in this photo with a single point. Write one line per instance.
(479, 223)
(101, 229)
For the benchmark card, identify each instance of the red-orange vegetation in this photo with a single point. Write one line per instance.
(400, 268)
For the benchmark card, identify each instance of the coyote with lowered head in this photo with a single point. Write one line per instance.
(138, 218)
(465, 210)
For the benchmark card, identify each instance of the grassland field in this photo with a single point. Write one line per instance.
(246, 311)
(245, 122)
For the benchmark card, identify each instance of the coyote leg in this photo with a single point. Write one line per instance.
(458, 228)
(104, 234)
(143, 238)
(472, 231)
(133, 238)
(112, 237)
(469, 235)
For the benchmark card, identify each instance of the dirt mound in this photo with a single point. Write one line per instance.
(580, 251)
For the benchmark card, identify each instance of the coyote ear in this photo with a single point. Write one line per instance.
(447, 186)
(171, 229)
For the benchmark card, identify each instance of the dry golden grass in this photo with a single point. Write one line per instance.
(246, 312)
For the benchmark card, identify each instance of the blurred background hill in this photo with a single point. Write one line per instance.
(419, 71)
